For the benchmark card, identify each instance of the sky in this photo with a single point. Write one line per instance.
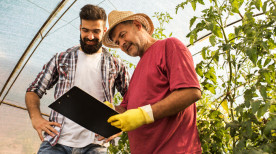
(21, 20)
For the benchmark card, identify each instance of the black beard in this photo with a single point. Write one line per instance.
(90, 49)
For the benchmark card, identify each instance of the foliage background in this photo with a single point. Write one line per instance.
(237, 74)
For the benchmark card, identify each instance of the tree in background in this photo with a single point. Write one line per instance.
(237, 74)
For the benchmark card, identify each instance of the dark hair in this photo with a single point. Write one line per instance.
(92, 12)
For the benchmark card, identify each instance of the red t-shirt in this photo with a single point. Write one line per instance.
(166, 66)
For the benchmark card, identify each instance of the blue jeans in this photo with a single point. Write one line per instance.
(46, 148)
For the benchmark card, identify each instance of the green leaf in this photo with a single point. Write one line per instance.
(231, 37)
(199, 69)
(226, 47)
(225, 105)
(193, 5)
(267, 61)
(241, 143)
(237, 31)
(239, 109)
(201, 2)
(211, 75)
(192, 40)
(211, 88)
(272, 109)
(255, 106)
(235, 6)
(271, 125)
(203, 52)
(217, 31)
(259, 63)
(213, 114)
(215, 55)
(130, 65)
(248, 95)
(263, 92)
(248, 126)
(212, 40)
(264, 45)
(232, 132)
(252, 54)
(262, 110)
(192, 21)
(272, 69)
(266, 75)
(192, 36)
(258, 4)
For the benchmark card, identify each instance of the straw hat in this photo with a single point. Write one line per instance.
(115, 17)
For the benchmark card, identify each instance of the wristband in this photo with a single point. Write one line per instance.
(147, 110)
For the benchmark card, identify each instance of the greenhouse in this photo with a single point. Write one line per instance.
(232, 43)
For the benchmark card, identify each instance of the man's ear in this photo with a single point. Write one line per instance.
(80, 27)
(137, 24)
(105, 29)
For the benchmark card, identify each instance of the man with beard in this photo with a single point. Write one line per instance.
(88, 66)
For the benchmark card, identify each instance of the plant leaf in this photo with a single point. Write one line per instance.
(192, 21)
(212, 40)
(224, 105)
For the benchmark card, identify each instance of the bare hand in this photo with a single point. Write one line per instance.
(40, 124)
(100, 138)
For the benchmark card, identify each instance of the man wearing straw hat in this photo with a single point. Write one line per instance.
(160, 114)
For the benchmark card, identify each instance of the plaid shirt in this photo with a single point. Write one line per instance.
(60, 70)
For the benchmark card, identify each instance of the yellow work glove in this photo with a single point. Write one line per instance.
(132, 119)
(109, 105)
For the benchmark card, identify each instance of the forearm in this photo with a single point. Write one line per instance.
(33, 104)
(177, 101)
(171, 105)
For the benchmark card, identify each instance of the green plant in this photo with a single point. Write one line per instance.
(211, 126)
(237, 71)
(163, 18)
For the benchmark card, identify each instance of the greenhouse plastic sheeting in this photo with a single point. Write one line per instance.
(20, 22)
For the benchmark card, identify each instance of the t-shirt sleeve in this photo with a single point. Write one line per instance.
(180, 66)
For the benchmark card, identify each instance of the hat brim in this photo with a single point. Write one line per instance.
(141, 17)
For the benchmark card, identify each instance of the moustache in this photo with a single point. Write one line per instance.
(93, 40)
(127, 45)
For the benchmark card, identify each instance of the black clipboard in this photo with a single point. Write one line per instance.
(86, 111)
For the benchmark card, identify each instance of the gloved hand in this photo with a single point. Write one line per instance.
(109, 105)
(132, 119)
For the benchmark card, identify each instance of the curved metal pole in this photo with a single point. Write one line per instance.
(36, 37)
(20, 107)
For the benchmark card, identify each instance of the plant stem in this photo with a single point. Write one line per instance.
(228, 94)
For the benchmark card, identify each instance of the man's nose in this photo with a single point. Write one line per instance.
(122, 44)
(90, 36)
